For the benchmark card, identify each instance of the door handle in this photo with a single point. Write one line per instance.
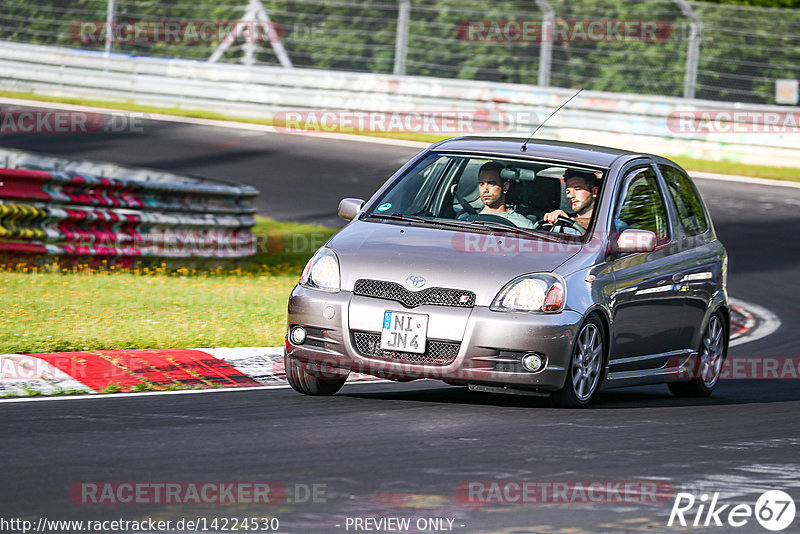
(677, 278)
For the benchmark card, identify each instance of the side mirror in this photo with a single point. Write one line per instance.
(636, 241)
(349, 208)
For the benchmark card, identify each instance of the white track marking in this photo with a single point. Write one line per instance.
(255, 362)
(743, 179)
(327, 135)
(767, 322)
(139, 394)
(20, 373)
(263, 128)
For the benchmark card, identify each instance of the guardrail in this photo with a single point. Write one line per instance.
(50, 207)
(615, 119)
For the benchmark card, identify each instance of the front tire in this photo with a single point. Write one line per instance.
(304, 382)
(584, 373)
(708, 367)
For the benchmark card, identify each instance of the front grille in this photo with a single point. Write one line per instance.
(436, 352)
(437, 296)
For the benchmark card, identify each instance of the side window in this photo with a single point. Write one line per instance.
(643, 208)
(687, 200)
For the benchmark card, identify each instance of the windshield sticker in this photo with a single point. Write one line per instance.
(384, 207)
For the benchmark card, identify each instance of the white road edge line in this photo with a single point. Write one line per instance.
(743, 179)
(96, 396)
(233, 125)
(329, 135)
(768, 322)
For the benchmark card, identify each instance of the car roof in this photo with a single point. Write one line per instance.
(541, 149)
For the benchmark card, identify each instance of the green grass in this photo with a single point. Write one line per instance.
(157, 307)
(691, 164)
(739, 169)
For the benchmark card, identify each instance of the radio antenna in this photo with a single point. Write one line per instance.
(524, 146)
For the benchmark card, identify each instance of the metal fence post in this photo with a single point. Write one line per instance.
(401, 43)
(254, 15)
(546, 48)
(110, 9)
(274, 38)
(693, 49)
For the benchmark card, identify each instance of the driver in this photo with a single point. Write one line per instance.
(493, 189)
(581, 191)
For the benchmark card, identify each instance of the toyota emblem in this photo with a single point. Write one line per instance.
(415, 281)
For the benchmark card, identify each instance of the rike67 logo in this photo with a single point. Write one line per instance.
(774, 510)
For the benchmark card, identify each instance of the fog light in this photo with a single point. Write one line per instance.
(298, 335)
(532, 362)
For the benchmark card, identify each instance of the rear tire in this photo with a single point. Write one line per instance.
(586, 367)
(708, 365)
(304, 382)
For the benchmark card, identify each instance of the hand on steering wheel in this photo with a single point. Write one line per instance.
(562, 222)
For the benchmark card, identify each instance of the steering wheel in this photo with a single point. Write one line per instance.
(562, 222)
(488, 217)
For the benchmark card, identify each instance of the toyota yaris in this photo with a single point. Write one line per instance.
(540, 268)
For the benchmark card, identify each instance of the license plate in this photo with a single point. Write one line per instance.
(405, 332)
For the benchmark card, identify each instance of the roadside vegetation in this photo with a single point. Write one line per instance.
(54, 308)
(743, 49)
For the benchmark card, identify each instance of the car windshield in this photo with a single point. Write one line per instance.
(480, 192)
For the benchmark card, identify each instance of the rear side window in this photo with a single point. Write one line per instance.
(687, 200)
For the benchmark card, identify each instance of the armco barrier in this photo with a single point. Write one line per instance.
(615, 119)
(46, 210)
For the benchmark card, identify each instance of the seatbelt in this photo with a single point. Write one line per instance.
(463, 201)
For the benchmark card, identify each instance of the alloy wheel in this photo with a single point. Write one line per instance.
(712, 353)
(587, 361)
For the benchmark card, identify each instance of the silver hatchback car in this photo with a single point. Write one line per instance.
(540, 268)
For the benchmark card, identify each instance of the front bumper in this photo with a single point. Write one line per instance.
(488, 344)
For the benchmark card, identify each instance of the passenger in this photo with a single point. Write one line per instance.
(581, 191)
(493, 189)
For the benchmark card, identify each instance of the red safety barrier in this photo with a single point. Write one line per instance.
(57, 213)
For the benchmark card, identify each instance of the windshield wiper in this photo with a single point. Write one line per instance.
(434, 221)
(430, 221)
(400, 217)
(457, 223)
(517, 229)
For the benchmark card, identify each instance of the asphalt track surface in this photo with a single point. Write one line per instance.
(401, 450)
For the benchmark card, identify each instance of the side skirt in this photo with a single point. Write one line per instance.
(677, 368)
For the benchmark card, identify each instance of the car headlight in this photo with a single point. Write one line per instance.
(538, 292)
(322, 271)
